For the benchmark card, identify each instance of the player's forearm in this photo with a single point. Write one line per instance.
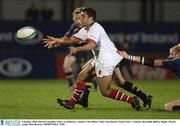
(66, 41)
(158, 63)
(144, 61)
(87, 47)
(136, 59)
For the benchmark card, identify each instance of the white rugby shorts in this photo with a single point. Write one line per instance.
(106, 66)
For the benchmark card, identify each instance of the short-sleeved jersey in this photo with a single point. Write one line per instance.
(106, 56)
(173, 65)
(96, 33)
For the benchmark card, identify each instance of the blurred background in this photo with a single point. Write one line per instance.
(141, 27)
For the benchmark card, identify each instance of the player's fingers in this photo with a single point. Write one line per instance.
(45, 39)
(45, 42)
(50, 46)
(119, 52)
(70, 48)
(50, 37)
(56, 45)
(46, 45)
(70, 53)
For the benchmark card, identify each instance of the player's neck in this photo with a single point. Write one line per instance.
(90, 24)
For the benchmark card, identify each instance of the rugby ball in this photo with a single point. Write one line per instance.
(26, 33)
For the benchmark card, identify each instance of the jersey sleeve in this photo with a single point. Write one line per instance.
(169, 64)
(94, 34)
(81, 34)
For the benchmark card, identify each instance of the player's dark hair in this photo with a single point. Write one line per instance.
(90, 12)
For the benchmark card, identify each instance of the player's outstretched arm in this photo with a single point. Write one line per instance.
(125, 55)
(51, 42)
(142, 60)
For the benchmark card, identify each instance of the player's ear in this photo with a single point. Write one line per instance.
(91, 18)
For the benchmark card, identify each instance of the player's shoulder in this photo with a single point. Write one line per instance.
(83, 29)
(173, 59)
(96, 25)
(177, 58)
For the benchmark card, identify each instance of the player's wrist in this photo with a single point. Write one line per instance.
(131, 57)
(147, 61)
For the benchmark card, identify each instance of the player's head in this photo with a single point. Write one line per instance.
(174, 52)
(88, 16)
(76, 13)
(90, 12)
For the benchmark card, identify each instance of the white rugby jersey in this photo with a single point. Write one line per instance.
(104, 46)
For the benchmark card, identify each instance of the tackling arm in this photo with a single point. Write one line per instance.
(142, 60)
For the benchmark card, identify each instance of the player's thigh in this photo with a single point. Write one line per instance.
(104, 84)
(84, 73)
(118, 76)
(69, 61)
(88, 62)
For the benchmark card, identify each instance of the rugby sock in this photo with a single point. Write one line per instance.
(95, 83)
(70, 82)
(117, 95)
(134, 89)
(69, 77)
(86, 91)
(76, 93)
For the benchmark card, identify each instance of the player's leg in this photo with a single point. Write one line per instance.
(84, 98)
(79, 88)
(94, 80)
(129, 86)
(88, 85)
(92, 75)
(104, 87)
(126, 64)
(69, 62)
(104, 71)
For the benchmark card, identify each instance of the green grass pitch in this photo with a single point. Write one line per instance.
(36, 99)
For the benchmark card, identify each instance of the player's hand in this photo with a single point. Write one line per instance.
(51, 42)
(73, 50)
(123, 54)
